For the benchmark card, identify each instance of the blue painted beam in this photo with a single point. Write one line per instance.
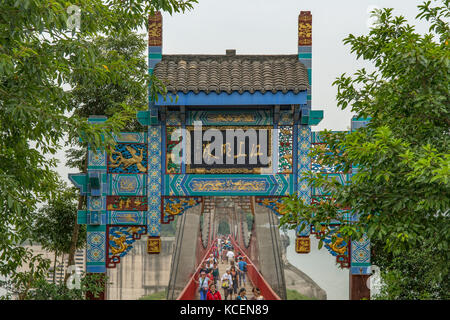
(235, 98)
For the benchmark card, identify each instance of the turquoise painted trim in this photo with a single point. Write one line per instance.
(97, 119)
(315, 116)
(362, 119)
(82, 217)
(305, 56)
(99, 228)
(143, 117)
(235, 99)
(80, 181)
(156, 56)
(276, 185)
(95, 263)
(360, 264)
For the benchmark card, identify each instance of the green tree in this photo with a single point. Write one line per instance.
(123, 53)
(38, 55)
(224, 228)
(401, 188)
(54, 224)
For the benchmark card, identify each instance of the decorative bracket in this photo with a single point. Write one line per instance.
(273, 203)
(120, 241)
(175, 206)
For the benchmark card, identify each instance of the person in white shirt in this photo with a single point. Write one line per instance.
(203, 285)
(211, 261)
(227, 284)
(230, 255)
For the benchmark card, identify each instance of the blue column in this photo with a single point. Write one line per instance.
(96, 207)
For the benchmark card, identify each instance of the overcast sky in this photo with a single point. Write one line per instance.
(270, 27)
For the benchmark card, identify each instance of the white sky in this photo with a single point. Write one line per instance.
(270, 27)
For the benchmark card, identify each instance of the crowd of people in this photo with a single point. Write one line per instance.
(234, 277)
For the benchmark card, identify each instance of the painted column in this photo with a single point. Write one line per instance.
(303, 128)
(360, 269)
(305, 52)
(154, 141)
(96, 207)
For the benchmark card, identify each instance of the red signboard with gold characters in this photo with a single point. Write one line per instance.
(126, 203)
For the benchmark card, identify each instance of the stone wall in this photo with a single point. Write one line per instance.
(139, 273)
(297, 279)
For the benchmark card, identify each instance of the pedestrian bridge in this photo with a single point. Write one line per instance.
(197, 232)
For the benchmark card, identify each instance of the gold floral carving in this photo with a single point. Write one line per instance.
(305, 30)
(245, 117)
(153, 245)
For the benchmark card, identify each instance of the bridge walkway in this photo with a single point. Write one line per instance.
(254, 278)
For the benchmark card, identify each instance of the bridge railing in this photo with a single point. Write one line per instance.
(191, 289)
(256, 277)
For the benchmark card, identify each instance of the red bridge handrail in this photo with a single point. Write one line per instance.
(190, 291)
(256, 277)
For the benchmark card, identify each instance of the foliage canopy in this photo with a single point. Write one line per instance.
(400, 187)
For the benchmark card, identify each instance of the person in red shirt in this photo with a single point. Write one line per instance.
(210, 275)
(213, 294)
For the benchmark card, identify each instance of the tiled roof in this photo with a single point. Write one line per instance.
(230, 73)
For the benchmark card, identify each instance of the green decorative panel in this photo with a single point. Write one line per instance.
(231, 117)
(228, 185)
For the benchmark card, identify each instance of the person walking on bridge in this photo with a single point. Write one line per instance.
(230, 255)
(234, 277)
(211, 261)
(213, 293)
(257, 294)
(242, 295)
(215, 273)
(242, 266)
(203, 285)
(227, 284)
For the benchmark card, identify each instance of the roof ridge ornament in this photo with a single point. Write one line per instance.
(230, 52)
